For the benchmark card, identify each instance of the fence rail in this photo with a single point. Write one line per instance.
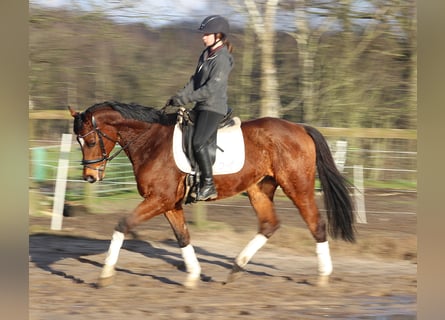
(386, 133)
(392, 167)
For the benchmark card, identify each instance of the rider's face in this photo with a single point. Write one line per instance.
(208, 39)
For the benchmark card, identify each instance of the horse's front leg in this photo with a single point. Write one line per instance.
(144, 211)
(177, 222)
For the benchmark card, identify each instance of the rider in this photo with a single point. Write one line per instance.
(208, 89)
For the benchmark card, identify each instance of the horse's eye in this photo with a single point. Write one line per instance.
(91, 143)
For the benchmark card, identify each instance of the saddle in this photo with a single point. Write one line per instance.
(186, 121)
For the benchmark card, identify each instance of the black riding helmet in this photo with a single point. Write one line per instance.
(214, 24)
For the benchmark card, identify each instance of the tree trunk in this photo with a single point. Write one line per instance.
(270, 100)
(265, 30)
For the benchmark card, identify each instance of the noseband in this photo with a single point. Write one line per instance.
(105, 157)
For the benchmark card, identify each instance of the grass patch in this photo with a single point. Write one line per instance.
(391, 184)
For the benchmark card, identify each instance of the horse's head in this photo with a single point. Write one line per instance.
(96, 140)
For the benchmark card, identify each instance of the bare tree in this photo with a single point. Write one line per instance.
(262, 17)
(308, 41)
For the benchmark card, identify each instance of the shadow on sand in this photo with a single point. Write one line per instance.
(46, 249)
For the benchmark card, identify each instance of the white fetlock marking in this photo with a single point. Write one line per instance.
(113, 251)
(191, 264)
(252, 247)
(324, 259)
(107, 271)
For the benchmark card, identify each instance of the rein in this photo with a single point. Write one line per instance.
(100, 134)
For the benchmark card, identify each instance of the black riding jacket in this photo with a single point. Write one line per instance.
(208, 86)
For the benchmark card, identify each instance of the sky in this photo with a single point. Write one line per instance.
(152, 12)
(158, 13)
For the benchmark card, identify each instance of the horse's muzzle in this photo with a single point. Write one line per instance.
(93, 174)
(90, 178)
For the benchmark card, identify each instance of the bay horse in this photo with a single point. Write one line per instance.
(278, 153)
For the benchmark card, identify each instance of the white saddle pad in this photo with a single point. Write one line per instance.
(229, 154)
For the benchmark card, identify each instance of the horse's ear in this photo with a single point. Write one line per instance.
(74, 114)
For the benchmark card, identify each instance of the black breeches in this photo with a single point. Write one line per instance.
(206, 126)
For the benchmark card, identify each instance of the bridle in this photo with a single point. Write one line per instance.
(105, 157)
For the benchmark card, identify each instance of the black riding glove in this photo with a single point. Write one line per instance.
(174, 101)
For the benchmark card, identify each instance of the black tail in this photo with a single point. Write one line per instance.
(337, 200)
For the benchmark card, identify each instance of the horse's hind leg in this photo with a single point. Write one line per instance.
(304, 200)
(309, 211)
(261, 198)
(177, 222)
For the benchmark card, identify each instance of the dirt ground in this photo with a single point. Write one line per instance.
(374, 278)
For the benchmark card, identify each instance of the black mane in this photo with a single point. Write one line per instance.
(137, 112)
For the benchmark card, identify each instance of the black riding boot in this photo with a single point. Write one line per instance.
(207, 188)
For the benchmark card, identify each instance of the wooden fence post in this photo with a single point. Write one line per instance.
(199, 214)
(60, 188)
(359, 194)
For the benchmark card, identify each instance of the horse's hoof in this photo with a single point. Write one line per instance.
(105, 282)
(236, 273)
(323, 281)
(232, 277)
(191, 282)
